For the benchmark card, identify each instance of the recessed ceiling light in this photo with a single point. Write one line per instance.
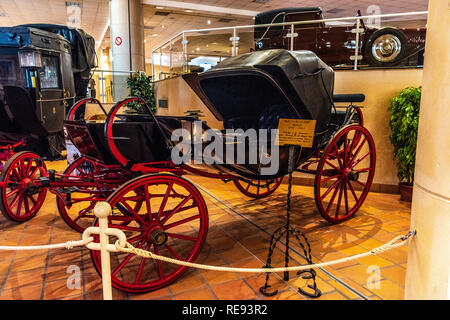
(209, 21)
(159, 7)
(155, 35)
(187, 10)
(198, 49)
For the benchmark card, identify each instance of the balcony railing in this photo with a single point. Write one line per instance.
(173, 56)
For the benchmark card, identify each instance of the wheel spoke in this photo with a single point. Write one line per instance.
(19, 206)
(132, 211)
(163, 203)
(158, 262)
(338, 206)
(180, 236)
(330, 188)
(360, 159)
(332, 165)
(341, 165)
(175, 210)
(125, 261)
(173, 252)
(141, 265)
(181, 222)
(9, 194)
(14, 202)
(353, 191)
(333, 197)
(147, 203)
(329, 178)
(26, 204)
(358, 150)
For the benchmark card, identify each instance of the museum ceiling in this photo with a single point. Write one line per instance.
(164, 19)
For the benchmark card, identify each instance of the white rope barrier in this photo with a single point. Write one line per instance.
(102, 210)
(394, 243)
(67, 245)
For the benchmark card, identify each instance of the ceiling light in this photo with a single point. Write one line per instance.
(159, 7)
(188, 10)
(209, 21)
(155, 35)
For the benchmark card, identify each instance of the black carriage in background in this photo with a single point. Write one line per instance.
(44, 70)
(127, 160)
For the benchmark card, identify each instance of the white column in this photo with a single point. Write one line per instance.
(428, 273)
(127, 40)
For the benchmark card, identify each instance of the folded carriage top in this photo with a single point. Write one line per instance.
(253, 84)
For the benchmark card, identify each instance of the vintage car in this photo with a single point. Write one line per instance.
(335, 44)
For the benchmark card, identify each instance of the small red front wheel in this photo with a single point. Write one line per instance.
(172, 222)
(258, 188)
(79, 212)
(345, 173)
(21, 197)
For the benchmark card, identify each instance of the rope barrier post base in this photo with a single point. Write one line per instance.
(287, 230)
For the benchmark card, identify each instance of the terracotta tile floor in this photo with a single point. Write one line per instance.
(239, 233)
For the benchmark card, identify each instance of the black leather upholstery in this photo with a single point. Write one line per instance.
(349, 98)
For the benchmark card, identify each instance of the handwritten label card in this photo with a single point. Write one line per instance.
(298, 132)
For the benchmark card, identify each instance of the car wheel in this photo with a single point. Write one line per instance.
(386, 47)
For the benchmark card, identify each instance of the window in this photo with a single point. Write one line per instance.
(49, 74)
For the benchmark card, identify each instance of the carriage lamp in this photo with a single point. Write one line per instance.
(30, 59)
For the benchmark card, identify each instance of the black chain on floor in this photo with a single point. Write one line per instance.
(287, 230)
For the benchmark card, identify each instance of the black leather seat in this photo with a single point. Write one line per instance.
(351, 98)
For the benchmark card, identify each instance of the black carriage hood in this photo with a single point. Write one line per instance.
(82, 44)
(259, 80)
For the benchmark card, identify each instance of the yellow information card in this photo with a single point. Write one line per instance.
(297, 132)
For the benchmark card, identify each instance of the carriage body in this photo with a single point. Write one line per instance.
(127, 161)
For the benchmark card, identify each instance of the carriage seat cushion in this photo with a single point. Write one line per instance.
(351, 98)
(139, 142)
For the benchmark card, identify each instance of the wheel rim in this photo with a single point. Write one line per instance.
(386, 48)
(178, 218)
(345, 174)
(80, 214)
(258, 188)
(20, 200)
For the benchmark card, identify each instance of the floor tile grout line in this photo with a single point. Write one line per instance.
(323, 270)
(251, 256)
(207, 285)
(47, 259)
(12, 261)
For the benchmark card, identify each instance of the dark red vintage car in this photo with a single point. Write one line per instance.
(335, 44)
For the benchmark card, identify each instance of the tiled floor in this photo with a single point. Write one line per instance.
(239, 233)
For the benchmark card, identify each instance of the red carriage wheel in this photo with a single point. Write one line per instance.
(20, 198)
(345, 173)
(258, 188)
(173, 222)
(79, 213)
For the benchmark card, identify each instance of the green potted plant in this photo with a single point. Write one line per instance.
(141, 86)
(404, 120)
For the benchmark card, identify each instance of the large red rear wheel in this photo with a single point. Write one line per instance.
(258, 188)
(21, 198)
(79, 212)
(345, 173)
(173, 222)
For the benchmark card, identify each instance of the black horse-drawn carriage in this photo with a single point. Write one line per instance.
(44, 70)
(127, 161)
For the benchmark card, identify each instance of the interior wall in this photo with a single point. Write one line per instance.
(377, 85)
